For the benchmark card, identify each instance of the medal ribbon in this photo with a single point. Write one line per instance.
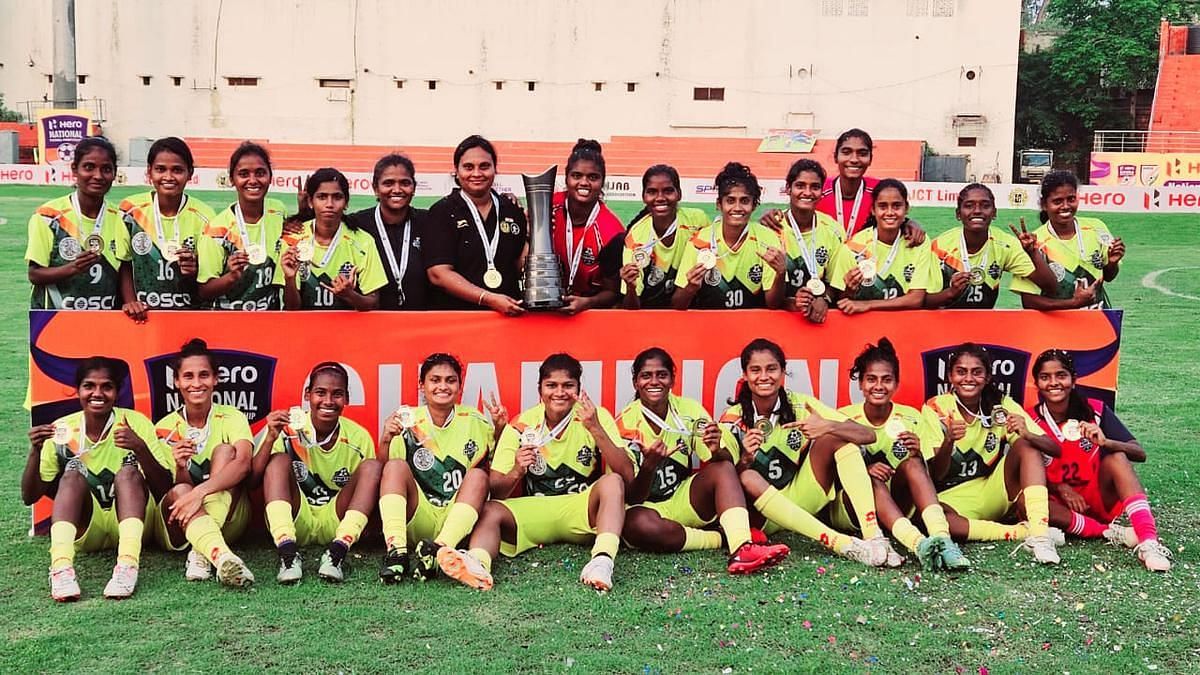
(244, 234)
(848, 227)
(718, 226)
(809, 256)
(337, 239)
(664, 428)
(577, 252)
(203, 440)
(398, 271)
(489, 245)
(104, 205)
(558, 428)
(887, 264)
(112, 418)
(159, 237)
(966, 256)
(654, 242)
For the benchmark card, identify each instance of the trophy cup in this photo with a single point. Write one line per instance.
(543, 275)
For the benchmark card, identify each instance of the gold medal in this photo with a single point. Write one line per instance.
(94, 243)
(816, 287)
(256, 254)
(304, 250)
(62, 433)
(193, 434)
(406, 417)
(492, 278)
(1071, 431)
(298, 418)
(999, 416)
(699, 427)
(975, 277)
(764, 425)
(706, 258)
(894, 428)
(867, 268)
(641, 258)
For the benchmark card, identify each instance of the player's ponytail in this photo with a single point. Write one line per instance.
(735, 174)
(193, 347)
(589, 150)
(883, 352)
(1077, 406)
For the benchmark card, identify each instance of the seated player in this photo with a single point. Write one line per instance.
(986, 464)
(436, 483)
(970, 259)
(685, 480)
(790, 450)
(1092, 482)
(212, 448)
(896, 462)
(320, 476)
(96, 464)
(658, 235)
(552, 454)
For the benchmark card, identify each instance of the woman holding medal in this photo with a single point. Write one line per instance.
(987, 458)
(656, 240)
(874, 271)
(790, 449)
(1093, 482)
(329, 264)
(581, 225)
(732, 263)
(475, 242)
(78, 243)
(972, 258)
(1082, 252)
(82, 461)
(164, 227)
(552, 454)
(212, 447)
(896, 463)
(435, 484)
(319, 474)
(685, 479)
(239, 252)
(810, 239)
(396, 228)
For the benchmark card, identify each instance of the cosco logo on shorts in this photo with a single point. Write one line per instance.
(165, 300)
(94, 302)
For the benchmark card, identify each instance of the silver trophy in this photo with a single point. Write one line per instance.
(543, 274)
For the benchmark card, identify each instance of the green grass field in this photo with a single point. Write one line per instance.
(1099, 611)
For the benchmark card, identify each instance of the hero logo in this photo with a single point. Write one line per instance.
(244, 381)
(1009, 368)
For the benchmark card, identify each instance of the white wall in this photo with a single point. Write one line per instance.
(898, 71)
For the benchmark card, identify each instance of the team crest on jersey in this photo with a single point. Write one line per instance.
(341, 477)
(899, 449)
(635, 449)
(512, 226)
(1096, 259)
(588, 256)
(129, 460)
(584, 456)
(909, 270)
(416, 243)
(190, 243)
(1060, 272)
(346, 269)
(279, 246)
(794, 439)
(299, 471)
(756, 273)
(1086, 445)
(991, 442)
(423, 459)
(538, 468)
(821, 255)
(141, 243)
(470, 449)
(994, 270)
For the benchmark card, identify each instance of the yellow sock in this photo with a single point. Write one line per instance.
(351, 527)
(483, 557)
(934, 518)
(205, 537)
(129, 541)
(62, 545)
(1037, 509)
(735, 523)
(393, 512)
(218, 506)
(460, 520)
(280, 522)
(986, 530)
(779, 509)
(606, 543)
(852, 474)
(907, 533)
(700, 540)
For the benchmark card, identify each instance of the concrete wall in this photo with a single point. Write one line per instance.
(898, 68)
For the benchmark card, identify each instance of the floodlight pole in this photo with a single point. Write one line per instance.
(65, 77)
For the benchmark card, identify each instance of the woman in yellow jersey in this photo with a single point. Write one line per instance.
(78, 244)
(164, 227)
(320, 476)
(240, 249)
(656, 240)
(1082, 252)
(435, 483)
(731, 263)
(970, 259)
(896, 463)
(212, 448)
(875, 270)
(89, 463)
(811, 239)
(685, 480)
(791, 448)
(987, 461)
(564, 456)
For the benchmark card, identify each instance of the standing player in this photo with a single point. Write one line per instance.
(329, 264)
(874, 270)
(320, 476)
(553, 454)
(78, 244)
(849, 196)
(986, 460)
(731, 263)
(435, 485)
(686, 480)
(581, 226)
(475, 242)
(788, 463)
(97, 465)
(656, 240)
(396, 227)
(1082, 252)
(896, 462)
(971, 258)
(1093, 481)
(164, 227)
(240, 249)
(811, 239)
(212, 448)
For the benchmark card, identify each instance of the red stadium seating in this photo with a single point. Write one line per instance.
(1178, 81)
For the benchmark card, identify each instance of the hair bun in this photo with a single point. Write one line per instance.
(587, 145)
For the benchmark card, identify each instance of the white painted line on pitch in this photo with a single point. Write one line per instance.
(1151, 281)
(3, 221)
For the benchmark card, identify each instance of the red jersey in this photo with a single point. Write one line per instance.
(1079, 461)
(829, 205)
(599, 231)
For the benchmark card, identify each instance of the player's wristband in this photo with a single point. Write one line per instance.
(481, 295)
